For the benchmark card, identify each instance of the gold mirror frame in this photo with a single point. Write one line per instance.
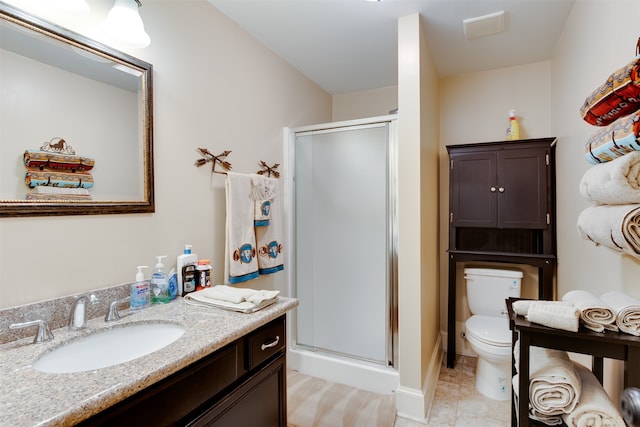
(143, 141)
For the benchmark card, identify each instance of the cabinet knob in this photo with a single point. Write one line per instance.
(493, 189)
(501, 189)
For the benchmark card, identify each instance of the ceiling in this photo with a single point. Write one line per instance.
(351, 45)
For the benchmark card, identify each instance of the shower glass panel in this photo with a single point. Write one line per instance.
(342, 241)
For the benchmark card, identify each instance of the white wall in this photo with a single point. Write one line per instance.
(214, 86)
(366, 103)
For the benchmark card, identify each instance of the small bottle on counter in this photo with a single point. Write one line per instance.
(204, 274)
(140, 291)
(159, 284)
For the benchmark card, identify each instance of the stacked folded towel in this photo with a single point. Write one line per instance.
(554, 385)
(230, 298)
(594, 407)
(627, 311)
(594, 314)
(554, 314)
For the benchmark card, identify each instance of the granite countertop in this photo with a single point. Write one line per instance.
(30, 397)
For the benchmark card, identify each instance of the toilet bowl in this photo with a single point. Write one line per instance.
(487, 330)
(490, 338)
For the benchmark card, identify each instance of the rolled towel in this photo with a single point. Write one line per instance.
(594, 314)
(555, 315)
(613, 183)
(627, 309)
(550, 420)
(595, 407)
(614, 226)
(554, 385)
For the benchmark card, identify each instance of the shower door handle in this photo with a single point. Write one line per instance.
(271, 344)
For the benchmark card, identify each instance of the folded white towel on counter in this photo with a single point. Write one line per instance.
(615, 226)
(550, 420)
(554, 314)
(594, 314)
(627, 310)
(595, 408)
(613, 183)
(237, 299)
(240, 246)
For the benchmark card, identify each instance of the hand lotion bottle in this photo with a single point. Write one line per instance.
(140, 292)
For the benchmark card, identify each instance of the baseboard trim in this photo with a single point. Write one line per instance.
(415, 404)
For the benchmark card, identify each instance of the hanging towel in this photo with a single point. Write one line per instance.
(270, 238)
(229, 298)
(595, 407)
(613, 183)
(627, 309)
(264, 191)
(614, 226)
(240, 248)
(594, 313)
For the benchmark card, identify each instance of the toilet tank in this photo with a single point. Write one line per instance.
(487, 288)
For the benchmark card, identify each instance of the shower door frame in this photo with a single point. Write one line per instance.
(391, 315)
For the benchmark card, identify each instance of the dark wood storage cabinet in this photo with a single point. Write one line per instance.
(501, 209)
(242, 384)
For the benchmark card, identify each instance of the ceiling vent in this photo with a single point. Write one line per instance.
(485, 25)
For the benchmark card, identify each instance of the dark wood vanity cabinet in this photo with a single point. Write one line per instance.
(242, 384)
(501, 209)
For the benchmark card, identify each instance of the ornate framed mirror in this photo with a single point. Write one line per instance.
(76, 123)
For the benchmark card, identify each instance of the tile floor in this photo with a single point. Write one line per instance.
(457, 403)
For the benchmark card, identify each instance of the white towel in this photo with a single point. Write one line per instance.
(595, 408)
(550, 420)
(236, 299)
(555, 315)
(627, 309)
(595, 314)
(240, 247)
(264, 191)
(270, 238)
(614, 226)
(613, 183)
(554, 386)
(521, 307)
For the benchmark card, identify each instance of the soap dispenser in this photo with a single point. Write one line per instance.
(159, 284)
(140, 291)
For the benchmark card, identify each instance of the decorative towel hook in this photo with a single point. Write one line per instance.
(210, 157)
(269, 170)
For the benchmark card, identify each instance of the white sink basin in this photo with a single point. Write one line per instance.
(108, 348)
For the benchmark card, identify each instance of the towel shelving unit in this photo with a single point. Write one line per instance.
(612, 345)
(502, 208)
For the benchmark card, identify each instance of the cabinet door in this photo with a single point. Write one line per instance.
(259, 402)
(522, 188)
(473, 189)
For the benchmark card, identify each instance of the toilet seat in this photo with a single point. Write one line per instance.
(489, 330)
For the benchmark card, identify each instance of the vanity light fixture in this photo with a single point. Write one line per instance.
(125, 25)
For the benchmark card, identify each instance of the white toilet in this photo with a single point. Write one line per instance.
(487, 330)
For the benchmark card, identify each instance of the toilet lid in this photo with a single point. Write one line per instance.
(489, 329)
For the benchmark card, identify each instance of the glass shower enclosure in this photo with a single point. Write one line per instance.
(344, 238)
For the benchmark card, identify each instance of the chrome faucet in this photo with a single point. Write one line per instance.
(44, 333)
(113, 314)
(78, 313)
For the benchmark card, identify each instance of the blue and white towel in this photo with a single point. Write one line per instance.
(270, 238)
(240, 248)
(264, 191)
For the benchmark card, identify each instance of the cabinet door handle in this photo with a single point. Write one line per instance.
(493, 189)
(271, 344)
(501, 189)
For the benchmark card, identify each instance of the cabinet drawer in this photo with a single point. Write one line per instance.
(265, 342)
